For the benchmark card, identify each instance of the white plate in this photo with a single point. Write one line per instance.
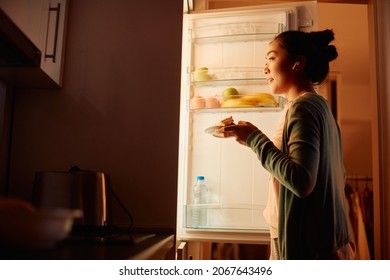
(213, 130)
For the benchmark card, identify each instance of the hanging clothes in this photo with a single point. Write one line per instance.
(357, 222)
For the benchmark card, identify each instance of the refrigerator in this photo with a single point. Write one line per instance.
(224, 50)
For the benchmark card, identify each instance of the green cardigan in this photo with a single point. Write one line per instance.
(312, 218)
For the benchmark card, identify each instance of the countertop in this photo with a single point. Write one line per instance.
(152, 244)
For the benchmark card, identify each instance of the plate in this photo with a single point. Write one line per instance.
(213, 130)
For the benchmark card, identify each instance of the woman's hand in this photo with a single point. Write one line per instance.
(240, 131)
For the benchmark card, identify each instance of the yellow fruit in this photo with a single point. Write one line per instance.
(201, 74)
(262, 99)
(238, 102)
(230, 93)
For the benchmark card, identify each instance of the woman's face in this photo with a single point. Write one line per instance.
(278, 69)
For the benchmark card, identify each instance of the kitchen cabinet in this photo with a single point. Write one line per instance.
(44, 23)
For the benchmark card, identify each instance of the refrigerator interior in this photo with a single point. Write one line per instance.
(223, 50)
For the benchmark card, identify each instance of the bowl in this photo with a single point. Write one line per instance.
(23, 226)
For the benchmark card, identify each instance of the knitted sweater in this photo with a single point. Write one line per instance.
(312, 218)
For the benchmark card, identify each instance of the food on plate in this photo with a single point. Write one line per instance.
(230, 93)
(215, 129)
(212, 102)
(225, 122)
(201, 74)
(197, 102)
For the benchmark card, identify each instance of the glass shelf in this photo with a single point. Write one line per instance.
(232, 75)
(236, 32)
(215, 83)
(238, 109)
(226, 216)
(234, 38)
(266, 106)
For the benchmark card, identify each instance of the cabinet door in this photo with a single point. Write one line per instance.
(52, 43)
(27, 15)
(43, 21)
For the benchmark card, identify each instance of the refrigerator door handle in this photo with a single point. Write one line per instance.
(182, 251)
(305, 23)
(188, 6)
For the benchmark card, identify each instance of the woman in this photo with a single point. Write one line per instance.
(309, 166)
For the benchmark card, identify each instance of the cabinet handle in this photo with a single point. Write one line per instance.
(57, 11)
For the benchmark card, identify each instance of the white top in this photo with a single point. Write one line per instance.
(271, 209)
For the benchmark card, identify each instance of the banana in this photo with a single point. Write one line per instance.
(263, 99)
(238, 102)
(260, 99)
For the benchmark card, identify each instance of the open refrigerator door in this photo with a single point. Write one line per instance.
(223, 75)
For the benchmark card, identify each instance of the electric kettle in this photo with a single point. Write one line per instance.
(87, 191)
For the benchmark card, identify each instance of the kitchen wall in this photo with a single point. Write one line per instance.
(118, 110)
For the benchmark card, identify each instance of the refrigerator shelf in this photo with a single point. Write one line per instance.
(238, 109)
(227, 216)
(225, 82)
(244, 103)
(205, 76)
(236, 32)
(234, 38)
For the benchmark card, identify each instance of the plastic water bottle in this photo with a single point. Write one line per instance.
(199, 201)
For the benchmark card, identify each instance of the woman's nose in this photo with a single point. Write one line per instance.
(266, 69)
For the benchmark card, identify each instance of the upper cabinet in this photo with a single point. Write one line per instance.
(44, 24)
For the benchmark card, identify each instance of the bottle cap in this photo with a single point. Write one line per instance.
(200, 178)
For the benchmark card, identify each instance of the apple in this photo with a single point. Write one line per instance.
(230, 93)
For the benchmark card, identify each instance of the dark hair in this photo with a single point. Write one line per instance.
(314, 46)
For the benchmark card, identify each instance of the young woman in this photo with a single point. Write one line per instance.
(312, 219)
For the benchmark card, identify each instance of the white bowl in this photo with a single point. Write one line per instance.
(22, 226)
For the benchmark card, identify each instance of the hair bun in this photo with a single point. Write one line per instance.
(331, 53)
(322, 38)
